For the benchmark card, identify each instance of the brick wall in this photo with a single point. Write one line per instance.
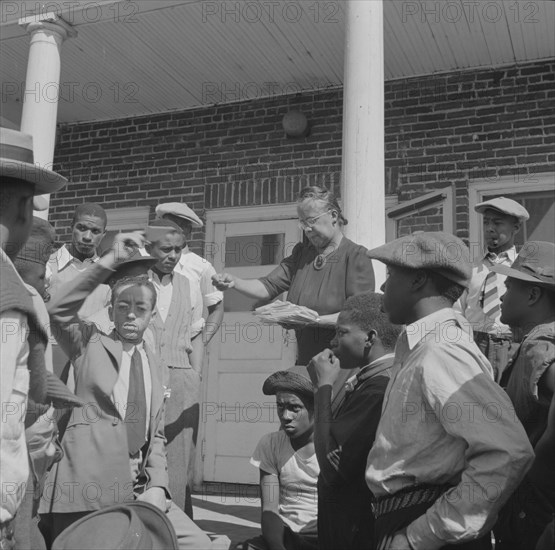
(440, 129)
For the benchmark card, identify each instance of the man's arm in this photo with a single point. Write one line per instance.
(496, 457)
(272, 524)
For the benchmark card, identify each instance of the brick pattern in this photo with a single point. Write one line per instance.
(440, 129)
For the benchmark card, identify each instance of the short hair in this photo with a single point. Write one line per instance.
(139, 280)
(446, 288)
(90, 209)
(323, 195)
(12, 188)
(365, 311)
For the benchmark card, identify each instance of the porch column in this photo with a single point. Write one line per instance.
(362, 174)
(42, 85)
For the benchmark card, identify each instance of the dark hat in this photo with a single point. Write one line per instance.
(179, 209)
(38, 246)
(437, 251)
(505, 206)
(135, 266)
(17, 161)
(133, 526)
(535, 263)
(59, 394)
(295, 380)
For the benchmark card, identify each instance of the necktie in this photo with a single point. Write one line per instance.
(135, 412)
(491, 301)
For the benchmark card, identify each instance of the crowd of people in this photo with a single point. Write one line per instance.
(422, 417)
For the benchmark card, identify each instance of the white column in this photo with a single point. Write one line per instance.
(42, 85)
(363, 173)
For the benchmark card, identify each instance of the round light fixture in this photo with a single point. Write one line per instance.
(295, 124)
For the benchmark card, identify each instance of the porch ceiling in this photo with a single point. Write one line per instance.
(149, 56)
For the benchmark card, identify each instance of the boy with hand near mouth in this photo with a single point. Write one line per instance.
(287, 462)
(364, 340)
(481, 304)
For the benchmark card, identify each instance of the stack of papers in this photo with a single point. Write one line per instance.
(286, 313)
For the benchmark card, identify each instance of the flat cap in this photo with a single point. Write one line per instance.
(136, 265)
(437, 251)
(295, 380)
(535, 263)
(179, 209)
(505, 206)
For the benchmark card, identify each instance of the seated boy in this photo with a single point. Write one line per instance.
(364, 339)
(288, 467)
(114, 446)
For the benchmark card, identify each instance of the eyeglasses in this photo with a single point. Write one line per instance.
(310, 222)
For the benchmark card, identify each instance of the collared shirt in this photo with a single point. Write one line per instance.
(121, 387)
(445, 421)
(372, 369)
(164, 290)
(199, 271)
(470, 304)
(14, 387)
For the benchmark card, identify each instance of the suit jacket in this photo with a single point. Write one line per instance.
(95, 471)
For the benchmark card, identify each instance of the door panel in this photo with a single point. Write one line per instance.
(244, 352)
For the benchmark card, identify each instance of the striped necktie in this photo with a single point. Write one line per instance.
(491, 300)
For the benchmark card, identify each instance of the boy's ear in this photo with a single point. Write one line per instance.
(371, 337)
(534, 295)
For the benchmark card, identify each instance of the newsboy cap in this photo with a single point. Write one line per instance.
(437, 251)
(295, 380)
(179, 209)
(535, 263)
(505, 206)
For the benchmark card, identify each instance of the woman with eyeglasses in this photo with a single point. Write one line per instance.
(321, 273)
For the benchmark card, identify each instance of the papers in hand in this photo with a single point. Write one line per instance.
(285, 313)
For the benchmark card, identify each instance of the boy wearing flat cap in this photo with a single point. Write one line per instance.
(529, 309)
(288, 467)
(23, 373)
(481, 303)
(448, 433)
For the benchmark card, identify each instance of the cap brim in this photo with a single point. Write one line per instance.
(45, 181)
(287, 381)
(133, 268)
(517, 274)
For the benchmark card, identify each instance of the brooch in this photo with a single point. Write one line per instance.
(319, 262)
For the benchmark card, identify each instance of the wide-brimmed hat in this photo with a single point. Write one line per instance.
(136, 265)
(134, 526)
(294, 380)
(535, 263)
(17, 161)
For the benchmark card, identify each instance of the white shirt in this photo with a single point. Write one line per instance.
(164, 290)
(298, 477)
(14, 387)
(470, 302)
(203, 293)
(121, 387)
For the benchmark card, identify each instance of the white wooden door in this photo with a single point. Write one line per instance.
(236, 414)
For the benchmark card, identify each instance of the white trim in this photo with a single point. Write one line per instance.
(505, 186)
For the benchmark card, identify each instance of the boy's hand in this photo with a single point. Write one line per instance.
(126, 244)
(223, 281)
(324, 368)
